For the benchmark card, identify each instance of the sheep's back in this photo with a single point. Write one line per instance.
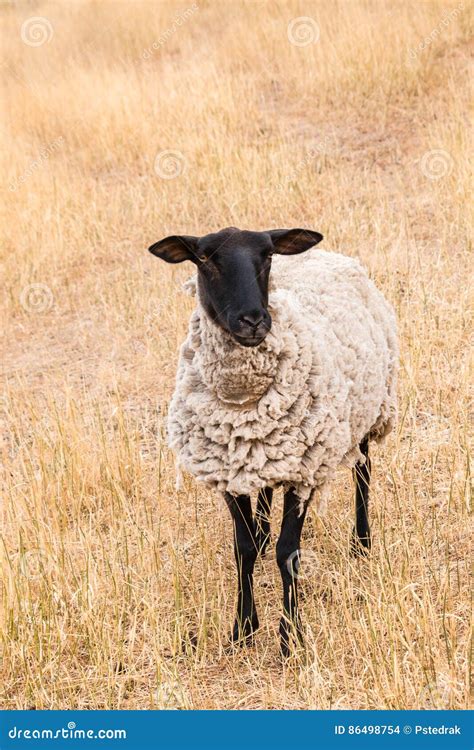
(353, 328)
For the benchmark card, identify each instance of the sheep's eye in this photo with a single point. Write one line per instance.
(203, 258)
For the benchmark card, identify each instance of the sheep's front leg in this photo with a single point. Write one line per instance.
(245, 549)
(262, 519)
(360, 543)
(288, 558)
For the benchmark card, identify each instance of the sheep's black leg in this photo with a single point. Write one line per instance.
(262, 519)
(288, 558)
(360, 543)
(245, 549)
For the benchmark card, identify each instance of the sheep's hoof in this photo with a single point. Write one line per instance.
(360, 546)
(243, 632)
(262, 541)
(291, 637)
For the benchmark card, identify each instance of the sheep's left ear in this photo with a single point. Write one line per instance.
(293, 241)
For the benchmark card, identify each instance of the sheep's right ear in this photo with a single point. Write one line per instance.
(176, 248)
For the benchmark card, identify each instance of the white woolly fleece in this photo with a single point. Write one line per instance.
(291, 410)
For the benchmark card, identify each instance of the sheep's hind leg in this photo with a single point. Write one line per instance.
(288, 558)
(245, 550)
(262, 519)
(360, 541)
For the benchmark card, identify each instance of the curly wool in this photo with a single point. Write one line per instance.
(291, 410)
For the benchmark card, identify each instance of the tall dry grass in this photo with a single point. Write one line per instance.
(359, 134)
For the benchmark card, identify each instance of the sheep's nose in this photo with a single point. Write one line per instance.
(252, 318)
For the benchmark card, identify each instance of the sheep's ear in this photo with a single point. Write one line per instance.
(176, 248)
(293, 241)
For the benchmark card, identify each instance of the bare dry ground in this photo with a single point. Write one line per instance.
(129, 121)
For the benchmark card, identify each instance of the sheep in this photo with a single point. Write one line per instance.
(288, 371)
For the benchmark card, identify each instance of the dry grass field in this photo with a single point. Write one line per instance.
(128, 121)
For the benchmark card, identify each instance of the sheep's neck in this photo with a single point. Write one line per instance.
(236, 374)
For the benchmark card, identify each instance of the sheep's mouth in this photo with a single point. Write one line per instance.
(249, 340)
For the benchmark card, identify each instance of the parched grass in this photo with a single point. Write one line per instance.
(117, 588)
